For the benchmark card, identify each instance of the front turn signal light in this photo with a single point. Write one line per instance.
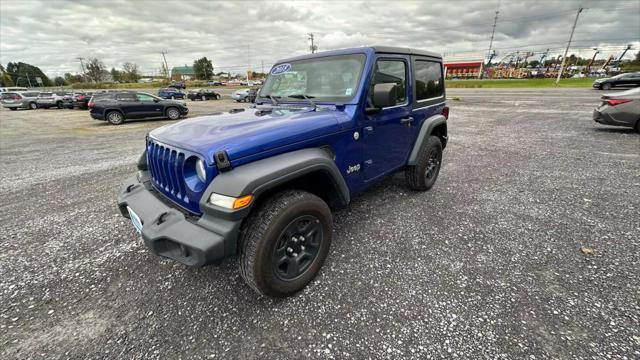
(229, 202)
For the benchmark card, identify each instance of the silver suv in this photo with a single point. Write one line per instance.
(20, 100)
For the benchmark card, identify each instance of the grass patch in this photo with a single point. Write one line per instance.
(519, 83)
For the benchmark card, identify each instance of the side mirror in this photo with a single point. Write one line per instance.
(155, 100)
(384, 95)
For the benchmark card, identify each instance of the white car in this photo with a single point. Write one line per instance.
(240, 95)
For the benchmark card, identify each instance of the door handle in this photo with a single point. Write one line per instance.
(368, 129)
(406, 120)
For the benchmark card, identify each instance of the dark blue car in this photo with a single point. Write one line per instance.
(259, 183)
(171, 93)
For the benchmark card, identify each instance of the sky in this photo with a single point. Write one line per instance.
(241, 35)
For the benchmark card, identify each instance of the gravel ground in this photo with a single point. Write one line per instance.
(488, 264)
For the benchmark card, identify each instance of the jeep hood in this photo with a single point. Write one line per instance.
(248, 132)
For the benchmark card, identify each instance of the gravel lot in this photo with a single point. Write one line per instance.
(488, 264)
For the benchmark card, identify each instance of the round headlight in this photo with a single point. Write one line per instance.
(200, 170)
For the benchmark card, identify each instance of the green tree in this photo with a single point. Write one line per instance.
(130, 72)
(203, 68)
(116, 75)
(23, 74)
(534, 63)
(59, 81)
(71, 79)
(95, 69)
(5, 79)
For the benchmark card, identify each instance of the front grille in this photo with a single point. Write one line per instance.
(166, 169)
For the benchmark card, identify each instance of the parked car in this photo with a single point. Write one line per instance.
(45, 100)
(619, 109)
(203, 94)
(260, 184)
(242, 95)
(178, 85)
(214, 83)
(20, 100)
(170, 93)
(118, 107)
(81, 100)
(628, 80)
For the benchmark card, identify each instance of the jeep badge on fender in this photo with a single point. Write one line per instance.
(261, 184)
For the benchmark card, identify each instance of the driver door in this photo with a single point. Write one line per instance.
(149, 107)
(387, 133)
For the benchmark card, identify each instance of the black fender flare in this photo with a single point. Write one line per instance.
(425, 131)
(262, 175)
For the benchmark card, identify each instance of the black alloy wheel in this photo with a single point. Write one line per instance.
(297, 247)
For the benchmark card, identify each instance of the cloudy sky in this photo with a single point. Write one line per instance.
(238, 35)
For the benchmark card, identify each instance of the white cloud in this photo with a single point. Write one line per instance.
(51, 34)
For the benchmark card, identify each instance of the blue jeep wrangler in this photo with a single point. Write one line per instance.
(260, 182)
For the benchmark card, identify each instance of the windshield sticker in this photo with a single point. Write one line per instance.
(280, 69)
(348, 92)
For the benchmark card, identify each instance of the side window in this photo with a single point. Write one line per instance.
(145, 98)
(126, 97)
(429, 83)
(391, 71)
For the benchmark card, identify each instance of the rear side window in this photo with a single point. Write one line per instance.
(9, 96)
(428, 80)
(30, 94)
(126, 97)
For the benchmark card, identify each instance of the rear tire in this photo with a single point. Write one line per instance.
(59, 104)
(13, 109)
(173, 113)
(115, 118)
(284, 243)
(33, 106)
(203, 98)
(423, 175)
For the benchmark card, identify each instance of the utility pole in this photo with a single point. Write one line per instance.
(493, 32)
(564, 58)
(165, 64)
(28, 80)
(84, 75)
(248, 61)
(313, 48)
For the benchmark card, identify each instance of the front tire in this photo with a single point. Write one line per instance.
(173, 113)
(13, 109)
(606, 86)
(285, 242)
(423, 175)
(203, 98)
(217, 96)
(115, 118)
(59, 104)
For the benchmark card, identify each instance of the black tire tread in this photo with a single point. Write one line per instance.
(414, 175)
(257, 226)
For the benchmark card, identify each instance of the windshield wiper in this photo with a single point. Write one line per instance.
(306, 97)
(274, 102)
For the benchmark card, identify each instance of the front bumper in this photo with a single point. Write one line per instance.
(170, 232)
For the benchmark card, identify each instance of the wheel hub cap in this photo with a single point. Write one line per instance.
(297, 247)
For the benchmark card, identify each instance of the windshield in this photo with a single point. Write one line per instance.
(333, 78)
